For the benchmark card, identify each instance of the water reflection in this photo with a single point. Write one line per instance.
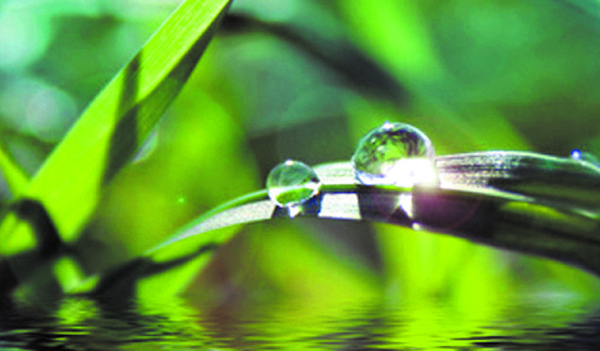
(82, 324)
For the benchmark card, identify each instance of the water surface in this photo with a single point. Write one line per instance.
(533, 323)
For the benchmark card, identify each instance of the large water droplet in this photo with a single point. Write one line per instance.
(395, 154)
(292, 183)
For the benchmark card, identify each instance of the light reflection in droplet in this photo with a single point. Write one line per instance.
(395, 154)
(405, 202)
(292, 183)
(582, 156)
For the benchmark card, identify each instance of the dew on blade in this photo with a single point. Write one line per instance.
(292, 183)
(582, 156)
(395, 154)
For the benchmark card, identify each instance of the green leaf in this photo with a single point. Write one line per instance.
(16, 177)
(115, 124)
(525, 202)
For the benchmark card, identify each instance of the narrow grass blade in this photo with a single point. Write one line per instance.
(526, 202)
(117, 121)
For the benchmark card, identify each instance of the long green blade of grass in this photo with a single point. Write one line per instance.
(526, 202)
(115, 124)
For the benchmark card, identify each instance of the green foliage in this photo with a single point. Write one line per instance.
(294, 82)
(118, 121)
(109, 133)
(15, 176)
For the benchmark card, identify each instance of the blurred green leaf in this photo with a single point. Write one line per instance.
(15, 175)
(324, 40)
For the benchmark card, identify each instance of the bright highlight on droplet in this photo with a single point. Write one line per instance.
(405, 202)
(292, 183)
(587, 157)
(395, 154)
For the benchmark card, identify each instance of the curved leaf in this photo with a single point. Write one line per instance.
(526, 202)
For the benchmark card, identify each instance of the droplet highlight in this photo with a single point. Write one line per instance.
(395, 154)
(292, 183)
(582, 156)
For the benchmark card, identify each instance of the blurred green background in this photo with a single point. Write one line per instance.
(305, 80)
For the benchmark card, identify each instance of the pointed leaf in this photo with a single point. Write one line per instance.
(116, 123)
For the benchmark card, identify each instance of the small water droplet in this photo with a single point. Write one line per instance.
(395, 154)
(292, 183)
(582, 156)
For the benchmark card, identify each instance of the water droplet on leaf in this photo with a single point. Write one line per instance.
(395, 154)
(292, 183)
(582, 156)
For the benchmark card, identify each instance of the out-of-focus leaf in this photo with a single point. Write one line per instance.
(325, 41)
(16, 177)
(590, 8)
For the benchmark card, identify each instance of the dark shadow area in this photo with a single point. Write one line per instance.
(380, 205)
(26, 265)
(520, 225)
(124, 141)
(118, 286)
(35, 214)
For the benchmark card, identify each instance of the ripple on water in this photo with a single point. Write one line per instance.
(348, 325)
